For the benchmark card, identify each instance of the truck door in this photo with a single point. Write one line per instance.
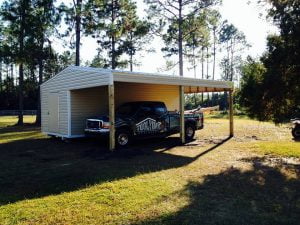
(161, 116)
(147, 123)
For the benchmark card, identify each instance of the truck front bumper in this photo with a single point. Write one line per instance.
(96, 132)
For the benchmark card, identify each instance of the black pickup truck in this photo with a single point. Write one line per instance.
(143, 120)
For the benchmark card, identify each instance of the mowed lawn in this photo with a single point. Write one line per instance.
(253, 178)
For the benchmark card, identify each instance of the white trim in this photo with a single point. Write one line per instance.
(69, 113)
(64, 136)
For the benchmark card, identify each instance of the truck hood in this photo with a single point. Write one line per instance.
(106, 118)
(103, 118)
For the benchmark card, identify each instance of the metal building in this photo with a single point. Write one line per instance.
(77, 93)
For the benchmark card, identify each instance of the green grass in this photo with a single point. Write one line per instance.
(223, 115)
(290, 149)
(213, 180)
(12, 120)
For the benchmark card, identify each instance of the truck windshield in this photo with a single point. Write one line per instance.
(127, 109)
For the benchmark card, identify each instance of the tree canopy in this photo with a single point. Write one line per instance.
(277, 85)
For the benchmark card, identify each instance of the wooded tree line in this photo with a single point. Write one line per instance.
(192, 32)
(270, 88)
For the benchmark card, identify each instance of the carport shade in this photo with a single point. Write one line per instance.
(186, 86)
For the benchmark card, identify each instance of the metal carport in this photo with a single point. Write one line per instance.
(73, 79)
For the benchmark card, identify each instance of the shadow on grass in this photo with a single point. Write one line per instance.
(32, 168)
(263, 195)
(16, 128)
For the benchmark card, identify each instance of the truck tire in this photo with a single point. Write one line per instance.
(189, 132)
(123, 138)
(296, 132)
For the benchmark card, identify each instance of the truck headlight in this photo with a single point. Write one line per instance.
(106, 125)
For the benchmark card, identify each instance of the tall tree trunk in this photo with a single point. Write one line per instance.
(21, 96)
(228, 62)
(78, 31)
(32, 74)
(41, 70)
(1, 83)
(214, 61)
(202, 72)
(231, 60)
(180, 38)
(194, 62)
(12, 72)
(113, 38)
(7, 71)
(131, 63)
(38, 115)
(207, 72)
(195, 73)
(131, 53)
(214, 55)
(113, 52)
(207, 63)
(21, 69)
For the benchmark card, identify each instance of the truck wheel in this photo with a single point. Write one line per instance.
(296, 132)
(123, 138)
(189, 132)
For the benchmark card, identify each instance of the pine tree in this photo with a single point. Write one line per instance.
(107, 23)
(234, 42)
(174, 13)
(45, 18)
(15, 15)
(75, 16)
(136, 33)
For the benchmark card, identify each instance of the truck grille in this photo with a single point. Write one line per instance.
(94, 124)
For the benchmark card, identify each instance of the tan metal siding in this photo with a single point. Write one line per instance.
(126, 92)
(87, 103)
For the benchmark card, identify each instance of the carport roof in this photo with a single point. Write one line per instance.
(191, 85)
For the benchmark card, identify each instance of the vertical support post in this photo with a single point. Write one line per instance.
(181, 110)
(111, 110)
(230, 98)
